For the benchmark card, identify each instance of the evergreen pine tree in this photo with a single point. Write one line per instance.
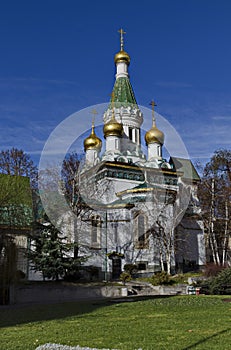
(52, 255)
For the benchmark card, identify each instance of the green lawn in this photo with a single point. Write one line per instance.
(177, 322)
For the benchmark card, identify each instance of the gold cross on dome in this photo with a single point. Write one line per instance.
(93, 112)
(122, 32)
(153, 104)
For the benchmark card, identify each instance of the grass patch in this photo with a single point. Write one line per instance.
(173, 323)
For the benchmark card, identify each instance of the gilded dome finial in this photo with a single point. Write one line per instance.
(154, 135)
(122, 56)
(92, 141)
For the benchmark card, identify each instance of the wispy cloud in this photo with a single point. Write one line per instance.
(173, 84)
(222, 118)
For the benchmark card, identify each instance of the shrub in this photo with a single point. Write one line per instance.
(160, 278)
(221, 284)
(131, 269)
(212, 270)
(125, 277)
(72, 276)
(93, 272)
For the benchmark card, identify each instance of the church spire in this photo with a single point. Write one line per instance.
(123, 92)
(123, 105)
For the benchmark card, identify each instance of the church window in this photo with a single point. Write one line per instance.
(137, 136)
(142, 266)
(95, 231)
(159, 151)
(141, 232)
(116, 233)
(130, 133)
(139, 140)
(116, 144)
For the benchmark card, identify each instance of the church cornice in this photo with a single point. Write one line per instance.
(148, 189)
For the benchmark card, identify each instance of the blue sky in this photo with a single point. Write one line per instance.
(57, 58)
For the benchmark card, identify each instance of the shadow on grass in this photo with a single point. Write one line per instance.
(13, 315)
(206, 339)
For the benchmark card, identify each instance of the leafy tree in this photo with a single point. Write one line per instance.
(215, 198)
(51, 254)
(16, 162)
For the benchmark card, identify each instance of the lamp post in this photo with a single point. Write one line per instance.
(128, 206)
(105, 261)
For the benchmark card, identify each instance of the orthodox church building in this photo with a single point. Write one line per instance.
(144, 209)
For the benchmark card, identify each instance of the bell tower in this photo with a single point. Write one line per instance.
(125, 109)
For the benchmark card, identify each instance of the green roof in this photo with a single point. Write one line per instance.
(186, 166)
(123, 93)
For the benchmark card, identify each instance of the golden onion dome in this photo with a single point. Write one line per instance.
(113, 128)
(122, 56)
(154, 135)
(92, 141)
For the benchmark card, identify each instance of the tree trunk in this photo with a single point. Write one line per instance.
(161, 260)
(213, 236)
(168, 260)
(226, 236)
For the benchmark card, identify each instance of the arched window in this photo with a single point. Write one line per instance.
(159, 151)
